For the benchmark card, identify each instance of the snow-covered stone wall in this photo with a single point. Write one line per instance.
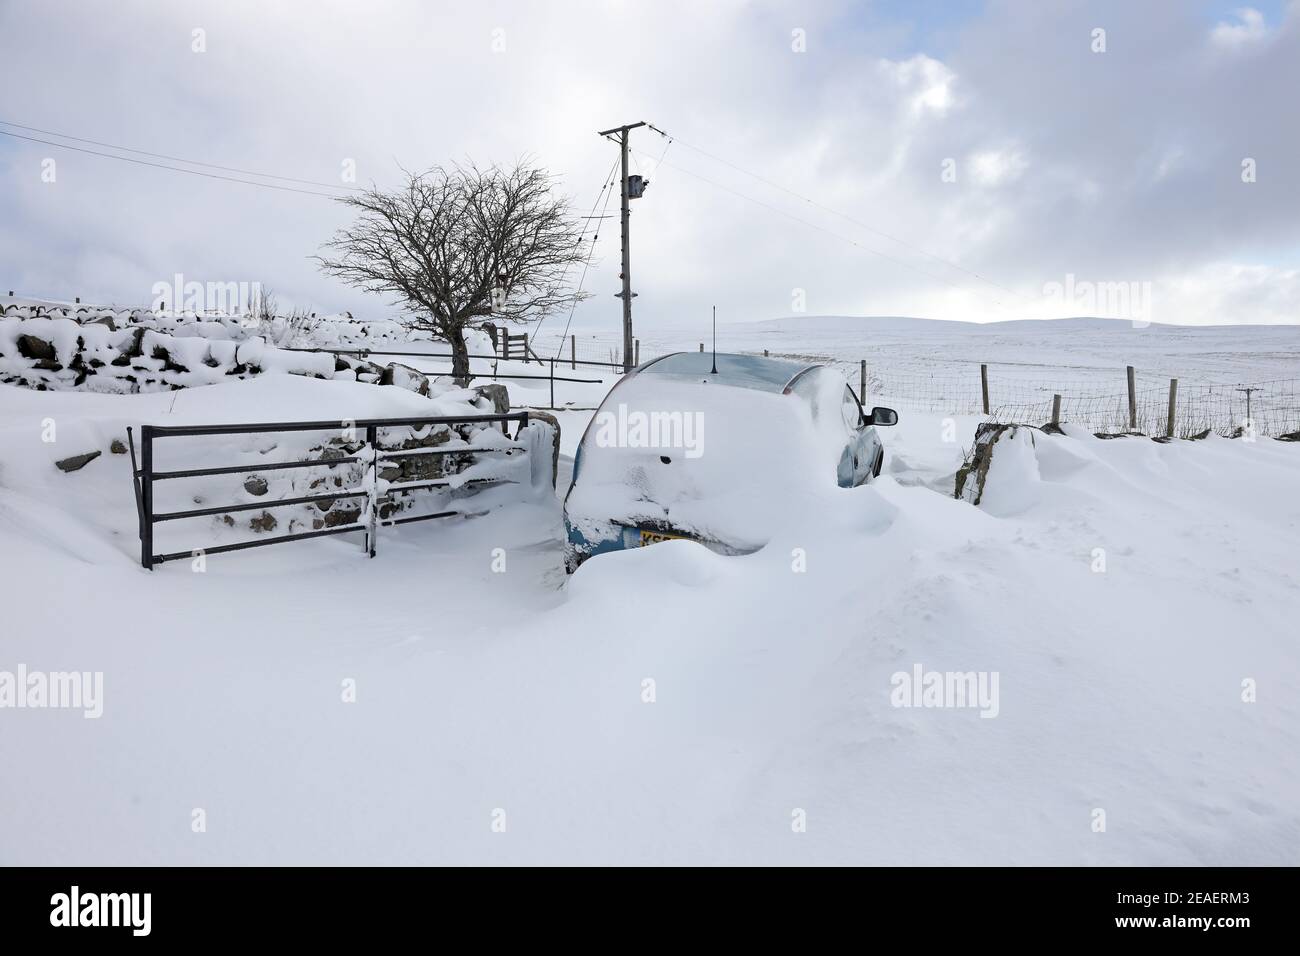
(129, 351)
(298, 329)
(61, 353)
(485, 458)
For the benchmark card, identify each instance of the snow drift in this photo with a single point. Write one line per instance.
(1136, 601)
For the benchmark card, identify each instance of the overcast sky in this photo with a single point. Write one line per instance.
(950, 160)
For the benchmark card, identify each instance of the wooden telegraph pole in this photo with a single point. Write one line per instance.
(628, 191)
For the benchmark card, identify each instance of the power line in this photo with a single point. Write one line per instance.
(583, 277)
(668, 142)
(845, 216)
(596, 221)
(586, 265)
(175, 169)
(177, 159)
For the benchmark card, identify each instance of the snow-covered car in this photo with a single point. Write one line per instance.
(679, 450)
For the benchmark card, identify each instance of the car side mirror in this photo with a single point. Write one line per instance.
(882, 416)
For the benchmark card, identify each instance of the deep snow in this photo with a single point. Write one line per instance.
(479, 690)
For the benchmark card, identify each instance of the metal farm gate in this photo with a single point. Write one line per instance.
(369, 455)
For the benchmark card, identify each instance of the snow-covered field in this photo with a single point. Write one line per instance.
(1135, 603)
(1065, 350)
(934, 366)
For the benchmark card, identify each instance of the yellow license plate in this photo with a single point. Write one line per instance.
(654, 537)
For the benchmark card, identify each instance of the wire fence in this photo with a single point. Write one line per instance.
(573, 350)
(1096, 399)
(1265, 408)
(589, 351)
(1101, 403)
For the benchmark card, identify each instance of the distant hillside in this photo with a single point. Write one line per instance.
(902, 323)
(912, 324)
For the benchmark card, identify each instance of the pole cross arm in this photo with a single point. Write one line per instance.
(620, 129)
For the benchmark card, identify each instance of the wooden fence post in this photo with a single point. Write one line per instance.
(636, 354)
(1132, 400)
(525, 348)
(505, 346)
(1173, 401)
(701, 346)
(573, 351)
(984, 386)
(862, 383)
(1056, 409)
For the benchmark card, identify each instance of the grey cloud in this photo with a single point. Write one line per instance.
(1115, 166)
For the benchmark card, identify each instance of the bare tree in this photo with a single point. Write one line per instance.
(461, 244)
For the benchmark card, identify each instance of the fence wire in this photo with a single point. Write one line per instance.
(1270, 408)
(1272, 411)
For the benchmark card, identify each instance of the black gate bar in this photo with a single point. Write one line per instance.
(243, 469)
(252, 428)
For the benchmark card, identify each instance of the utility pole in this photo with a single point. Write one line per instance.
(627, 293)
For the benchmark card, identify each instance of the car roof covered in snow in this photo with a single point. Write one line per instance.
(741, 371)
